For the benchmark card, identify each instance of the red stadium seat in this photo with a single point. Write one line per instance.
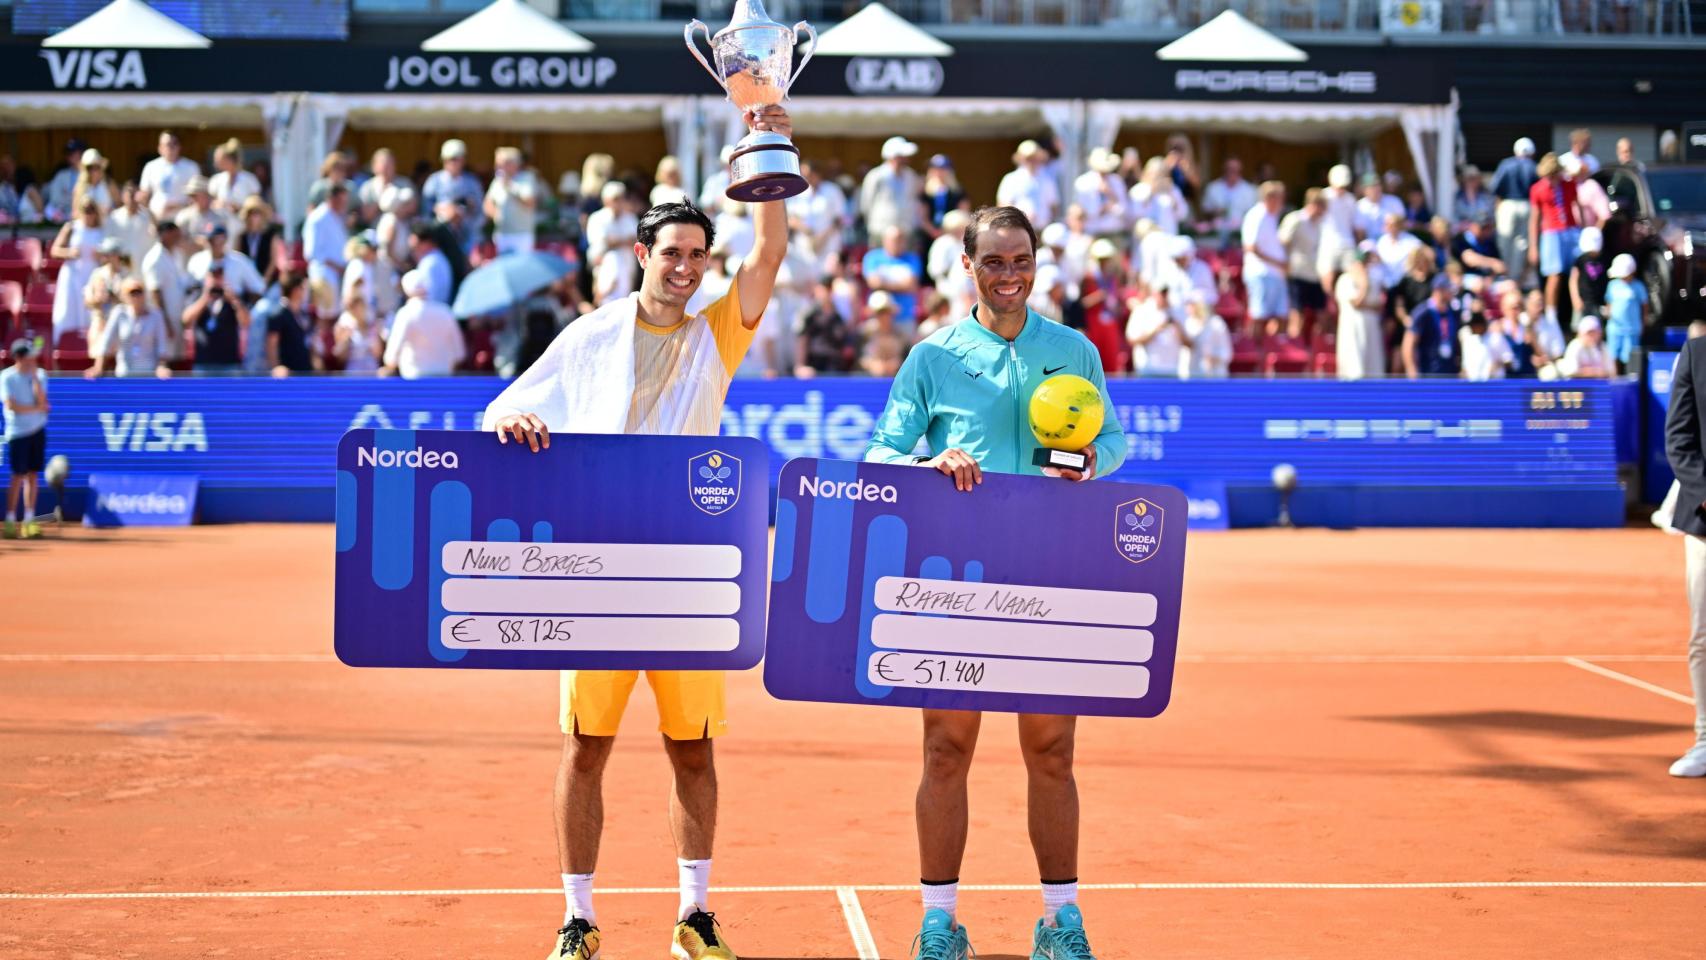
(1282, 355)
(72, 351)
(39, 295)
(1246, 355)
(11, 308)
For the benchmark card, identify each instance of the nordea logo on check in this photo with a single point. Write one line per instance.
(416, 458)
(847, 490)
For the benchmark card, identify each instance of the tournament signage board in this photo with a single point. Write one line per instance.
(1025, 595)
(600, 552)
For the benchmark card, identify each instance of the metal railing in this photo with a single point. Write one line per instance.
(1514, 19)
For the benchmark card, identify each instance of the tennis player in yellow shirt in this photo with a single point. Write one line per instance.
(682, 366)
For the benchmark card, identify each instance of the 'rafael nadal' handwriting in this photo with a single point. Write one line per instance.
(1006, 603)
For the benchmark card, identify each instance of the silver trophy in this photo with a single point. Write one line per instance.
(753, 54)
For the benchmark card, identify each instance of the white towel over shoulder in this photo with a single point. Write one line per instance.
(584, 381)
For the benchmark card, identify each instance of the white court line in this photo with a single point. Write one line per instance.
(874, 888)
(1277, 658)
(857, 926)
(1632, 681)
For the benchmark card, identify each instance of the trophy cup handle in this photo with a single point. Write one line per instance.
(811, 47)
(687, 34)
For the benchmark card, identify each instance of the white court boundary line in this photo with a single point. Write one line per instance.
(868, 888)
(857, 926)
(1278, 658)
(1637, 682)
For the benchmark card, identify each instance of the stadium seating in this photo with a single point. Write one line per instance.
(20, 259)
(72, 351)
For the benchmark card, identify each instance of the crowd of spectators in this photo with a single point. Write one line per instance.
(1168, 272)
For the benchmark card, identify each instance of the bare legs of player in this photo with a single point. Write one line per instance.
(579, 797)
(950, 738)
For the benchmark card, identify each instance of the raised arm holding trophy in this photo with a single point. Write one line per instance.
(752, 58)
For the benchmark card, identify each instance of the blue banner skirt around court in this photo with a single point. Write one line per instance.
(1025, 595)
(600, 552)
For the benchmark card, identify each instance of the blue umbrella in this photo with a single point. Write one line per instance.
(506, 282)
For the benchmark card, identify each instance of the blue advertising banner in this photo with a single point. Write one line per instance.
(599, 552)
(1509, 453)
(1024, 595)
(140, 500)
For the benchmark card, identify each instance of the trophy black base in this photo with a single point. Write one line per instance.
(765, 167)
(1060, 459)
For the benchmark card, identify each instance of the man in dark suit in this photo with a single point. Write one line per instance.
(1685, 445)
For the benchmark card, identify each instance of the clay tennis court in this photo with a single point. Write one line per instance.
(1381, 744)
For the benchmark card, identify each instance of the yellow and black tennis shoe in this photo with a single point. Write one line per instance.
(578, 940)
(700, 938)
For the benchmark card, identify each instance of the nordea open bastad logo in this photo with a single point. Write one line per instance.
(713, 481)
(1137, 529)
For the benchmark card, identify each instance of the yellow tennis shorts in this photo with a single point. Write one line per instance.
(690, 702)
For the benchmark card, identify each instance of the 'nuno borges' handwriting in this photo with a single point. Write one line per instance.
(915, 596)
(531, 560)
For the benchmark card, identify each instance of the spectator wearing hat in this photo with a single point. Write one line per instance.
(167, 282)
(453, 184)
(1476, 246)
(1487, 355)
(885, 345)
(1626, 306)
(261, 240)
(1430, 344)
(218, 318)
(287, 329)
(1029, 185)
(888, 198)
(1300, 234)
(101, 292)
(23, 391)
(1265, 257)
(135, 335)
(59, 196)
(1375, 206)
(1102, 194)
(1586, 357)
(1208, 342)
(1359, 347)
(425, 340)
(199, 219)
(370, 274)
(1474, 202)
(92, 182)
(1554, 229)
(324, 234)
(512, 203)
(1581, 150)
(357, 340)
(232, 186)
(380, 192)
(1589, 275)
(942, 191)
(1186, 276)
(131, 222)
(1512, 181)
(1338, 225)
(1103, 297)
(894, 269)
(241, 274)
(166, 179)
(76, 247)
(1228, 200)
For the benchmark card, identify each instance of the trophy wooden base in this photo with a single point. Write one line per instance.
(764, 167)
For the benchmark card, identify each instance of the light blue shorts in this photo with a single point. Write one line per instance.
(1267, 296)
(1558, 251)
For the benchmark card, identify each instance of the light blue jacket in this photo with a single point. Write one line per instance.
(966, 387)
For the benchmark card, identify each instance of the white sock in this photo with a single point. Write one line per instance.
(577, 889)
(942, 896)
(695, 878)
(1057, 895)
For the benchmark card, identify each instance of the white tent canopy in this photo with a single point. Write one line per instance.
(1430, 130)
(508, 26)
(877, 31)
(128, 25)
(1230, 37)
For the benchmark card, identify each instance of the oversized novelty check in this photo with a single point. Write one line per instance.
(601, 552)
(1027, 594)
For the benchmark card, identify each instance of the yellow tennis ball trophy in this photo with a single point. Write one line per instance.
(1066, 414)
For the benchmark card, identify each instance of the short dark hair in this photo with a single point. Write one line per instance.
(336, 190)
(989, 218)
(288, 283)
(665, 214)
(423, 231)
